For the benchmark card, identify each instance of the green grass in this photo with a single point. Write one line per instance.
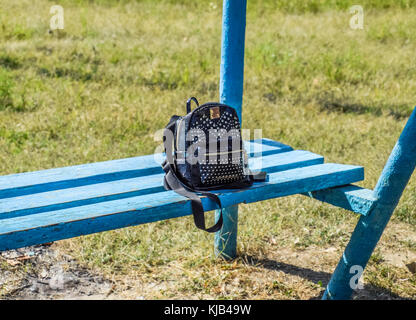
(102, 87)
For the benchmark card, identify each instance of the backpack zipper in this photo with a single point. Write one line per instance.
(224, 152)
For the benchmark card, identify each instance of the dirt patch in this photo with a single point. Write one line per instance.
(40, 272)
(43, 272)
(398, 258)
(310, 270)
(282, 273)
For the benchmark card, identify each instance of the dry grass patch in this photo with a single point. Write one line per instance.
(103, 87)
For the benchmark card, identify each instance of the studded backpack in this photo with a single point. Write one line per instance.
(205, 152)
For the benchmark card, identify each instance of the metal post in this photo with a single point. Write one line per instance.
(389, 188)
(231, 93)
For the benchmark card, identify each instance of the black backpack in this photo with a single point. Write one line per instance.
(204, 152)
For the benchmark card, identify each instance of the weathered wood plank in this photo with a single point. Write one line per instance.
(20, 184)
(121, 189)
(271, 143)
(265, 147)
(66, 223)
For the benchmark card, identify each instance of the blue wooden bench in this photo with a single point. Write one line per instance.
(49, 205)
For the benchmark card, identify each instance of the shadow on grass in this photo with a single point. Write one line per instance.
(397, 112)
(370, 292)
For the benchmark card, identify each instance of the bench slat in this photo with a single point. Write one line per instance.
(350, 197)
(121, 189)
(66, 223)
(20, 184)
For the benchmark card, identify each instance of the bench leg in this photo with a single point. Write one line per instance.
(357, 253)
(225, 245)
(389, 188)
(231, 93)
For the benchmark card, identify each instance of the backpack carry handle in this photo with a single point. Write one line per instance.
(188, 104)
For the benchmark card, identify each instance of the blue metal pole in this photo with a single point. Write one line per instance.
(389, 188)
(231, 93)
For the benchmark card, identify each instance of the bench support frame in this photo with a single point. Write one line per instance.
(389, 188)
(376, 208)
(231, 93)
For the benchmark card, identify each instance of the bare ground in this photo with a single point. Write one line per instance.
(39, 272)
(44, 272)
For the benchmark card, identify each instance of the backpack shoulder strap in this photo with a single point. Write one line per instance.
(172, 182)
(168, 137)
